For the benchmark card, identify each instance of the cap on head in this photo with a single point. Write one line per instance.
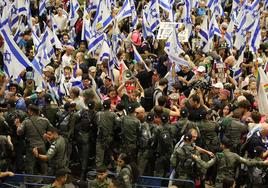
(201, 69)
(150, 117)
(48, 69)
(164, 117)
(91, 104)
(184, 112)
(218, 85)
(106, 104)
(131, 108)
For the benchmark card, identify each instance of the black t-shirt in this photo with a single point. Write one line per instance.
(145, 78)
(254, 141)
(197, 114)
(188, 76)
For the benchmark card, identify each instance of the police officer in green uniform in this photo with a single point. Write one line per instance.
(144, 143)
(163, 141)
(106, 123)
(50, 110)
(186, 166)
(102, 180)
(130, 126)
(236, 130)
(56, 154)
(66, 123)
(85, 131)
(33, 128)
(208, 129)
(182, 123)
(227, 162)
(7, 122)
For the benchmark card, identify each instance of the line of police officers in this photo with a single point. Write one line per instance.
(102, 135)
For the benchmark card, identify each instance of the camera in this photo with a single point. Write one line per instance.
(202, 85)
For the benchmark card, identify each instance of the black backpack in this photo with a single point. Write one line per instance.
(149, 95)
(165, 139)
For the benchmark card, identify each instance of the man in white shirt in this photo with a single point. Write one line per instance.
(67, 57)
(61, 20)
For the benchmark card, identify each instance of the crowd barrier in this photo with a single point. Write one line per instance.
(20, 181)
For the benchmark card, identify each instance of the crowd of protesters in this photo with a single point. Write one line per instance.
(194, 122)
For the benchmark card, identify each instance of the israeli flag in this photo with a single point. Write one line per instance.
(254, 5)
(152, 15)
(214, 28)
(42, 7)
(256, 36)
(146, 29)
(105, 51)
(73, 16)
(240, 40)
(173, 45)
(187, 12)
(95, 41)
(23, 7)
(14, 59)
(116, 38)
(13, 16)
(138, 58)
(125, 11)
(103, 17)
(134, 15)
(167, 6)
(53, 22)
(177, 60)
(4, 19)
(203, 33)
(20, 30)
(237, 70)
(36, 40)
(93, 4)
(86, 28)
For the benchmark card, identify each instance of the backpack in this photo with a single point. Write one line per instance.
(149, 98)
(145, 137)
(165, 140)
(86, 121)
(187, 165)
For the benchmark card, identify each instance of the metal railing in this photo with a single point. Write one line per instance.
(21, 180)
(159, 182)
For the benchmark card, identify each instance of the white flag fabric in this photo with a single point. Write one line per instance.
(262, 92)
(14, 59)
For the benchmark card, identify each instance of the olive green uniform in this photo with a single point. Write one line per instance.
(227, 162)
(33, 129)
(234, 132)
(130, 126)
(186, 167)
(208, 135)
(57, 155)
(106, 122)
(144, 148)
(98, 184)
(125, 177)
